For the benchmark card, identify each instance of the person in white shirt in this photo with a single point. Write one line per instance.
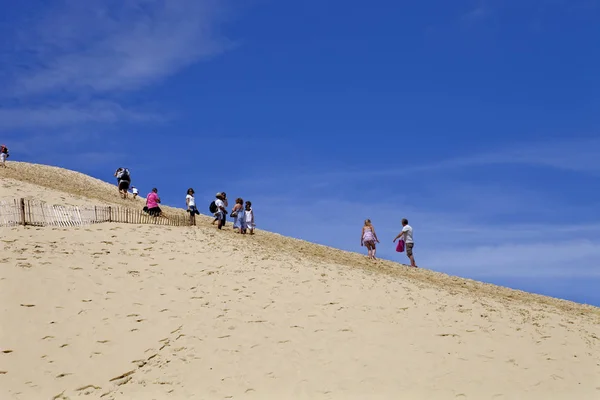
(407, 235)
(190, 202)
(223, 197)
(249, 218)
(135, 191)
(221, 213)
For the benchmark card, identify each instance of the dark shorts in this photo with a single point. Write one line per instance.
(193, 210)
(123, 185)
(409, 248)
(154, 211)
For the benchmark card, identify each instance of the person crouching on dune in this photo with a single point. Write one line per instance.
(152, 201)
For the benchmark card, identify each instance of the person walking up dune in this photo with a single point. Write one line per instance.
(226, 205)
(223, 197)
(249, 218)
(407, 235)
(368, 238)
(3, 155)
(190, 202)
(123, 181)
(237, 212)
(221, 212)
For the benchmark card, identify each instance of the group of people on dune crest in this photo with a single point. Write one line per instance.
(243, 216)
(242, 213)
(368, 238)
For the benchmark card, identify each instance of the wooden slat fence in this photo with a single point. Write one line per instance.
(10, 214)
(38, 213)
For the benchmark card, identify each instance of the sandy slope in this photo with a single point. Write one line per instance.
(197, 313)
(61, 186)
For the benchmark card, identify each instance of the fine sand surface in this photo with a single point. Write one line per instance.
(117, 311)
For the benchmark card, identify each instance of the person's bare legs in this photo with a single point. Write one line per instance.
(412, 261)
(374, 251)
(409, 254)
(371, 248)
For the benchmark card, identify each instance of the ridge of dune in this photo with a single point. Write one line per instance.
(124, 311)
(86, 190)
(76, 184)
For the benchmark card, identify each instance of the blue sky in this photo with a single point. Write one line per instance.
(477, 120)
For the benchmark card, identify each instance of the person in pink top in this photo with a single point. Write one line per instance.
(152, 201)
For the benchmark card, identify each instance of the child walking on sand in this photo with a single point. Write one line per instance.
(368, 237)
(249, 217)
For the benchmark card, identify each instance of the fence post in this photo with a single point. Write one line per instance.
(109, 214)
(95, 214)
(22, 211)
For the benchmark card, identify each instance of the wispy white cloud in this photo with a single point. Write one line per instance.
(60, 115)
(576, 155)
(553, 257)
(104, 46)
(571, 154)
(479, 12)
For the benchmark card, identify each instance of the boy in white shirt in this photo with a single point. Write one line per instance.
(407, 236)
(135, 191)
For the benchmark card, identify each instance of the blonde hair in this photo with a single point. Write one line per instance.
(367, 222)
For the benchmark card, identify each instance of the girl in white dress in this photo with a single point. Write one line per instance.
(249, 214)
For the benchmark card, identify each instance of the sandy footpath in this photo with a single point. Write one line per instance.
(117, 311)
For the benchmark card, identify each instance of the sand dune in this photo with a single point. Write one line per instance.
(118, 311)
